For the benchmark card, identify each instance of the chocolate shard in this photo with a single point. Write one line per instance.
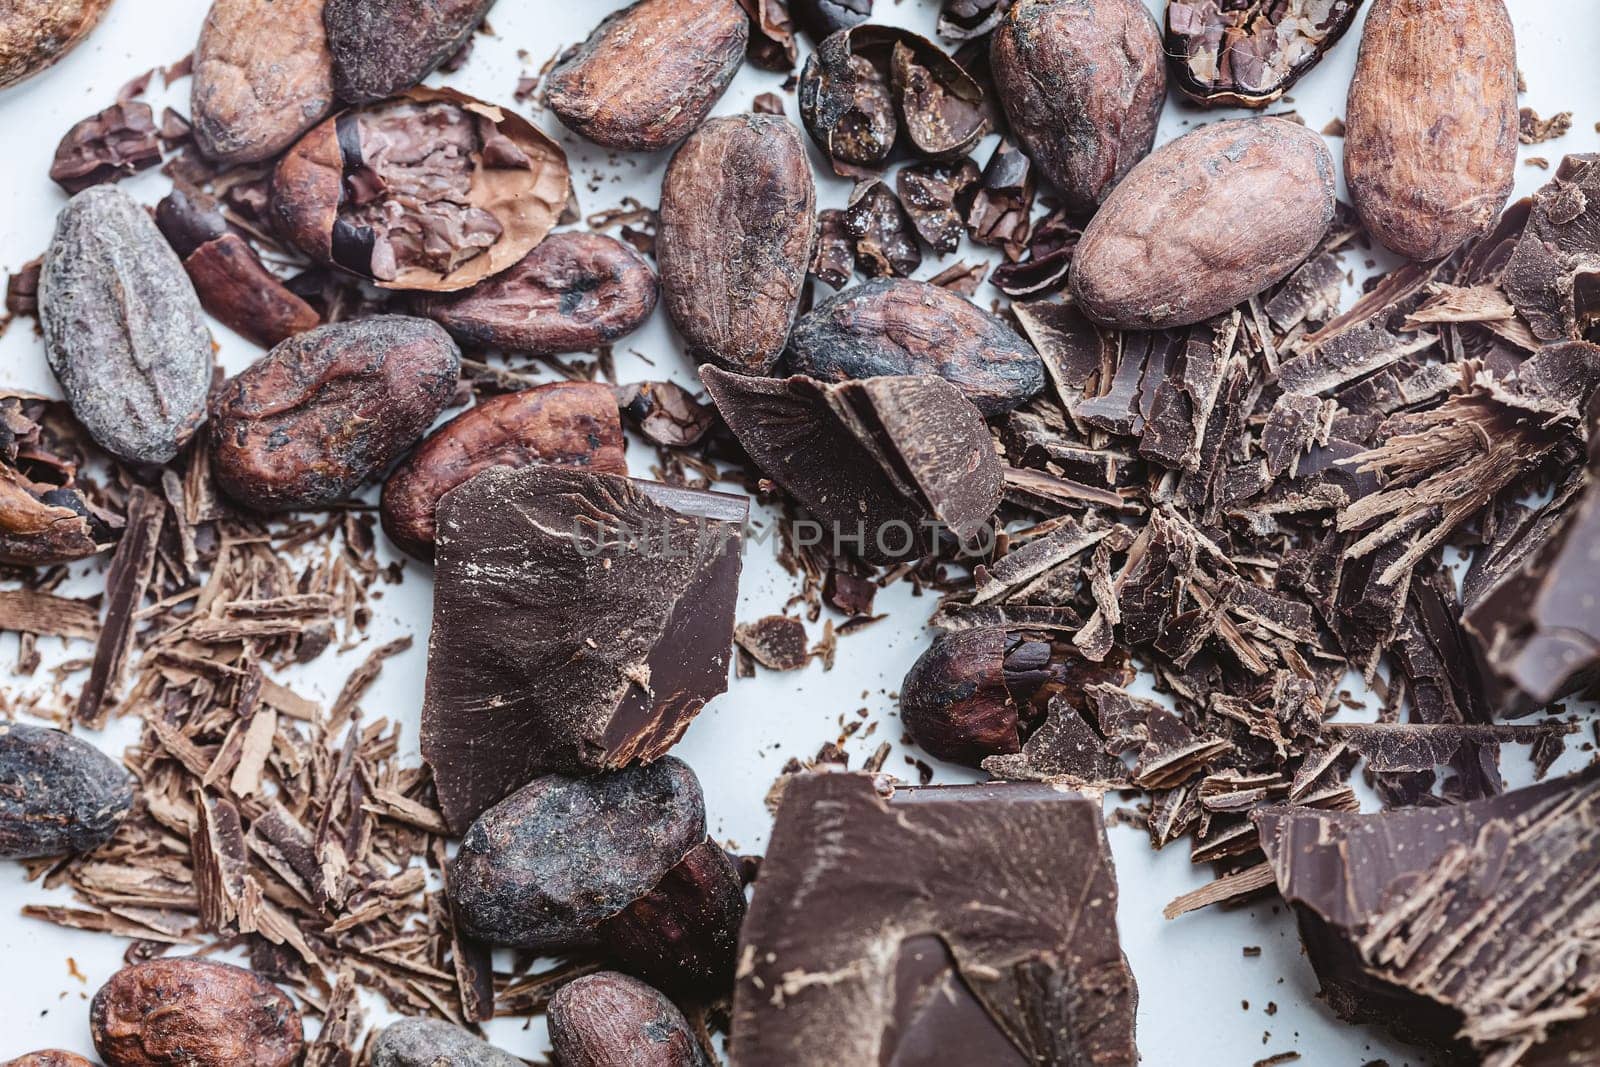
(885, 464)
(1553, 277)
(1466, 928)
(580, 622)
(848, 958)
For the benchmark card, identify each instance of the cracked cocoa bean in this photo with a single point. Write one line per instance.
(571, 424)
(262, 77)
(107, 147)
(611, 1020)
(650, 74)
(384, 47)
(431, 1042)
(36, 33)
(58, 794)
(1082, 83)
(738, 217)
(49, 1058)
(195, 1013)
(573, 293)
(123, 328)
(326, 410)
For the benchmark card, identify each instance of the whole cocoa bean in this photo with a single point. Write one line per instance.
(908, 327)
(384, 47)
(610, 1020)
(738, 217)
(573, 424)
(684, 933)
(326, 410)
(36, 33)
(572, 293)
(49, 1058)
(650, 73)
(123, 328)
(430, 1042)
(1430, 146)
(262, 77)
(1082, 83)
(58, 794)
(1204, 222)
(190, 1012)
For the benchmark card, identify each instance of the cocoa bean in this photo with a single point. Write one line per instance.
(430, 1042)
(1430, 147)
(123, 328)
(58, 794)
(36, 33)
(823, 18)
(1082, 83)
(326, 410)
(738, 217)
(49, 1058)
(649, 74)
(1206, 221)
(611, 1020)
(683, 934)
(44, 519)
(384, 47)
(107, 147)
(572, 424)
(194, 1013)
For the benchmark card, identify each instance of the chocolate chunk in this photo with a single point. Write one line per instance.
(851, 959)
(1551, 278)
(580, 622)
(119, 141)
(1249, 54)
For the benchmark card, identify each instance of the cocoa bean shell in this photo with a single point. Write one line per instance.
(1206, 221)
(36, 33)
(196, 1013)
(381, 48)
(1430, 147)
(429, 1042)
(573, 293)
(42, 524)
(649, 74)
(1082, 83)
(571, 424)
(123, 328)
(738, 218)
(910, 327)
(326, 410)
(1248, 55)
(611, 1020)
(58, 794)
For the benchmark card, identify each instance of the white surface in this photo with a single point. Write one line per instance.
(1201, 1001)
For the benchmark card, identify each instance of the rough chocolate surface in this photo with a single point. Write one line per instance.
(429, 1042)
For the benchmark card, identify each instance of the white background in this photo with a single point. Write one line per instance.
(1202, 1002)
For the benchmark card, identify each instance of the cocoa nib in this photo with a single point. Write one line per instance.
(886, 241)
(119, 141)
(427, 1042)
(383, 47)
(1248, 55)
(666, 413)
(193, 1011)
(611, 1020)
(57, 794)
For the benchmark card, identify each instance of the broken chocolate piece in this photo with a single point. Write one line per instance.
(777, 642)
(1553, 277)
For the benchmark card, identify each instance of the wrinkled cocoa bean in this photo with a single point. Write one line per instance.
(650, 74)
(738, 216)
(907, 327)
(230, 279)
(611, 1020)
(123, 328)
(49, 1058)
(574, 292)
(58, 794)
(1430, 147)
(107, 147)
(36, 33)
(384, 47)
(194, 1013)
(262, 77)
(430, 1043)
(1206, 221)
(326, 410)
(1082, 83)
(571, 424)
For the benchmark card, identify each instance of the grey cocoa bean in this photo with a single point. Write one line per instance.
(430, 1042)
(58, 794)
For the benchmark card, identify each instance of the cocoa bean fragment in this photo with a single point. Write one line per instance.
(909, 327)
(49, 1058)
(262, 77)
(666, 413)
(384, 47)
(970, 20)
(1082, 83)
(1002, 211)
(107, 147)
(1249, 54)
(58, 794)
(886, 240)
(1430, 147)
(649, 74)
(430, 1042)
(326, 410)
(612, 1020)
(573, 293)
(683, 934)
(1205, 222)
(833, 261)
(44, 518)
(824, 18)
(36, 33)
(189, 1012)
(772, 43)
(123, 328)
(570, 424)
(848, 108)
(938, 196)
(738, 217)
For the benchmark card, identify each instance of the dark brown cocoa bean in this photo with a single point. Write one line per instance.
(738, 216)
(107, 147)
(1205, 222)
(36, 33)
(194, 1013)
(326, 410)
(384, 47)
(650, 74)
(49, 1058)
(938, 196)
(571, 424)
(573, 293)
(1082, 83)
(431, 1043)
(848, 108)
(1249, 54)
(611, 1020)
(823, 18)
(262, 77)
(684, 933)
(955, 703)
(123, 328)
(58, 794)
(908, 327)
